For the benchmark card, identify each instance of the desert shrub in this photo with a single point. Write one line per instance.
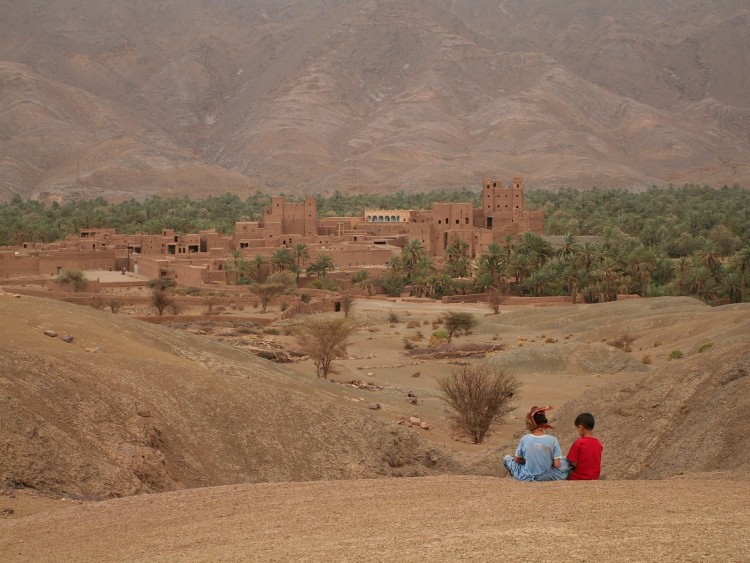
(96, 302)
(209, 303)
(325, 283)
(346, 304)
(676, 354)
(425, 322)
(657, 343)
(160, 299)
(174, 307)
(74, 278)
(494, 299)
(550, 340)
(438, 336)
(283, 306)
(623, 341)
(324, 339)
(417, 336)
(435, 325)
(272, 331)
(478, 397)
(412, 324)
(393, 317)
(276, 284)
(646, 359)
(304, 297)
(458, 323)
(705, 346)
(408, 344)
(115, 305)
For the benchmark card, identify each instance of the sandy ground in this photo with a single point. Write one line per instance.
(419, 519)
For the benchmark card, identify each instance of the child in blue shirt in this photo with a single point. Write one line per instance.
(538, 456)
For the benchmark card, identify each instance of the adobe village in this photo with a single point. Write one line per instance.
(198, 427)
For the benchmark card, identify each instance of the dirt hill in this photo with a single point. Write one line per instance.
(121, 100)
(128, 407)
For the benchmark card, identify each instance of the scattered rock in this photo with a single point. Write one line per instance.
(7, 511)
(416, 374)
(67, 338)
(97, 350)
(425, 425)
(374, 406)
(51, 333)
(415, 420)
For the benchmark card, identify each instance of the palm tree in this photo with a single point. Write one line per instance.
(301, 254)
(568, 248)
(411, 254)
(321, 266)
(256, 265)
(235, 266)
(282, 260)
(741, 261)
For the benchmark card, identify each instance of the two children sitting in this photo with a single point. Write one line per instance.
(538, 456)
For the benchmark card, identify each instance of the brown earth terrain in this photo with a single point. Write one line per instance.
(123, 100)
(129, 407)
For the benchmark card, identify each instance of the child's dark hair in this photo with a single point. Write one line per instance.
(585, 419)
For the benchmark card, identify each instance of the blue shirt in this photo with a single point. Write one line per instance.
(539, 452)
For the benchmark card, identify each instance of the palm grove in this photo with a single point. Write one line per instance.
(690, 240)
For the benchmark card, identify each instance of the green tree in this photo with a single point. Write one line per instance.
(276, 284)
(74, 278)
(321, 266)
(458, 323)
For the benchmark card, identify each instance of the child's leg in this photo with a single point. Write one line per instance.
(517, 470)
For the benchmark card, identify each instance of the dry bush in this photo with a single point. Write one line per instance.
(676, 354)
(210, 302)
(425, 322)
(174, 307)
(478, 397)
(96, 302)
(408, 344)
(324, 339)
(494, 299)
(623, 341)
(550, 340)
(646, 359)
(657, 343)
(412, 324)
(393, 317)
(705, 346)
(346, 303)
(115, 305)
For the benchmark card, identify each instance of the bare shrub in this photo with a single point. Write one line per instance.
(324, 339)
(408, 344)
(209, 303)
(96, 302)
(646, 359)
(494, 299)
(623, 341)
(174, 307)
(160, 300)
(115, 305)
(346, 304)
(478, 397)
(393, 317)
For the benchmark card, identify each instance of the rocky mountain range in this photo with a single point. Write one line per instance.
(131, 99)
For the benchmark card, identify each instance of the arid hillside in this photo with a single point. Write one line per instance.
(120, 99)
(128, 408)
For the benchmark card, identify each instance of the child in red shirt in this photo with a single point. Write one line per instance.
(585, 455)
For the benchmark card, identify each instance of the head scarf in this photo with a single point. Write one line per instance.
(532, 423)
